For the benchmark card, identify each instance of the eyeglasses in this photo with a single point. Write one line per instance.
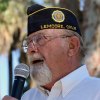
(40, 40)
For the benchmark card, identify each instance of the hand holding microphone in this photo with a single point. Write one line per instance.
(9, 98)
(21, 73)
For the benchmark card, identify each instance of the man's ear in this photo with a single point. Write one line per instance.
(74, 44)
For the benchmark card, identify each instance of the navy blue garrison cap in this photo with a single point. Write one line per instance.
(40, 17)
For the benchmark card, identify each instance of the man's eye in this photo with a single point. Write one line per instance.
(39, 39)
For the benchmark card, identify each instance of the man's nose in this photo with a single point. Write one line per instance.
(32, 48)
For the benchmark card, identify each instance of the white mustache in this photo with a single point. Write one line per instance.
(34, 57)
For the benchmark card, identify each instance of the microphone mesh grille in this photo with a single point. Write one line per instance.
(22, 70)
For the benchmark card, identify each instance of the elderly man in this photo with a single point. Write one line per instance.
(55, 50)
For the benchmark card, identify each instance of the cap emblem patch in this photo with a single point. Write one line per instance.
(58, 16)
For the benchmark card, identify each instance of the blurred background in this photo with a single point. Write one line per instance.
(13, 29)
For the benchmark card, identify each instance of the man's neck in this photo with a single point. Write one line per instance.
(49, 86)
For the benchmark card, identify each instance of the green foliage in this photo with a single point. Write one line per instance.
(47, 1)
(3, 5)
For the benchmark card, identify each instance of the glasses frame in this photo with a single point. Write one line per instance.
(43, 40)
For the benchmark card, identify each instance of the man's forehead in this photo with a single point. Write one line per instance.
(35, 33)
(48, 32)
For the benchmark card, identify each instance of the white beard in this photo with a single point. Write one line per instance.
(40, 73)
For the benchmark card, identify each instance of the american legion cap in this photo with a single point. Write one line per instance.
(40, 17)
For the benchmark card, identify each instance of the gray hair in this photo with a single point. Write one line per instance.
(82, 45)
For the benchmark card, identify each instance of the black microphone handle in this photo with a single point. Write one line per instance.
(18, 86)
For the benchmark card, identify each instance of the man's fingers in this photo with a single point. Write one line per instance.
(9, 98)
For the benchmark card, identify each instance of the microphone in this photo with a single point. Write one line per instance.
(21, 73)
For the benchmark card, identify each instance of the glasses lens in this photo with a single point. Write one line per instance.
(39, 39)
(25, 46)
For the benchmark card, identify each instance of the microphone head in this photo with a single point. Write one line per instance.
(22, 70)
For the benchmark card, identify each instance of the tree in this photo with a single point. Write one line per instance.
(91, 27)
(12, 29)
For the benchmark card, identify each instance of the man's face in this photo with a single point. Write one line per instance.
(48, 59)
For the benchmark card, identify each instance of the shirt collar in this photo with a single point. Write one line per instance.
(73, 79)
(43, 90)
